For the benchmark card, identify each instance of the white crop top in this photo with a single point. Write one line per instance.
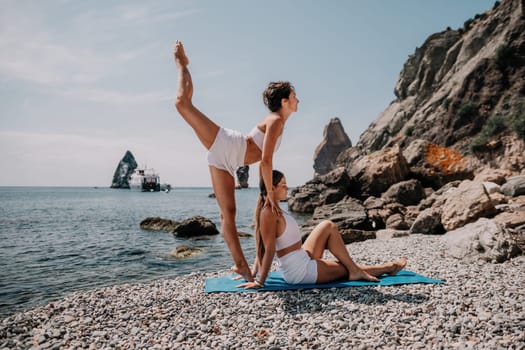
(258, 137)
(291, 234)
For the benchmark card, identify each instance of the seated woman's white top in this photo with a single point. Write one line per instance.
(291, 234)
(297, 267)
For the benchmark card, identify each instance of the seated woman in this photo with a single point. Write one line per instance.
(301, 263)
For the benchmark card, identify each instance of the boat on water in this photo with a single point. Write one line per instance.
(147, 180)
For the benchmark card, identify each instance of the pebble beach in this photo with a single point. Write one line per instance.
(480, 306)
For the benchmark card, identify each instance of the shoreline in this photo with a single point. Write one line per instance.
(480, 305)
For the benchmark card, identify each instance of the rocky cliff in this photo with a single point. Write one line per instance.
(125, 168)
(463, 89)
(444, 154)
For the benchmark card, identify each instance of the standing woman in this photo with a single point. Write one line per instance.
(229, 149)
(302, 263)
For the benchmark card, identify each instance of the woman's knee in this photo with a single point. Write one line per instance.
(328, 225)
(228, 214)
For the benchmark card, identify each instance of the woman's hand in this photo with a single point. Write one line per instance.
(274, 206)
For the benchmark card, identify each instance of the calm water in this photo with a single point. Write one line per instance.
(55, 240)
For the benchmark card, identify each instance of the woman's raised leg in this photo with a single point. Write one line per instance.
(205, 129)
(224, 189)
(326, 235)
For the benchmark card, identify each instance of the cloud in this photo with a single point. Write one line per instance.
(28, 53)
(142, 14)
(212, 74)
(83, 48)
(116, 97)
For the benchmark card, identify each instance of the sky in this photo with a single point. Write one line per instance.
(81, 82)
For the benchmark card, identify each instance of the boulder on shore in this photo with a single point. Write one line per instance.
(484, 239)
(468, 202)
(373, 174)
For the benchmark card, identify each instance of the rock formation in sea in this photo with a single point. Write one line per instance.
(125, 168)
(447, 155)
(335, 140)
(243, 174)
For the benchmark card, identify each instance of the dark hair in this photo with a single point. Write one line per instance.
(275, 92)
(277, 176)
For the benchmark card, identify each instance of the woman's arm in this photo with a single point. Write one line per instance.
(268, 232)
(268, 227)
(274, 128)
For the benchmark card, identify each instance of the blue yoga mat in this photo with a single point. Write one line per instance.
(275, 281)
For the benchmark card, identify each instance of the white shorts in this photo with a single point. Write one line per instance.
(228, 151)
(298, 268)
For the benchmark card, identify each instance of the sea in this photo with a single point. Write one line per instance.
(57, 240)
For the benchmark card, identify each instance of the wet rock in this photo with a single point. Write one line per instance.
(158, 224)
(196, 226)
(184, 251)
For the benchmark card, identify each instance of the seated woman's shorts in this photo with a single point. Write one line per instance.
(228, 151)
(298, 268)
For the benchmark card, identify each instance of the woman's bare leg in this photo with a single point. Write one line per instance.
(326, 236)
(329, 271)
(224, 188)
(205, 129)
(391, 268)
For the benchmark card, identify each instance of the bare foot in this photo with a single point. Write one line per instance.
(361, 275)
(245, 272)
(180, 56)
(398, 266)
